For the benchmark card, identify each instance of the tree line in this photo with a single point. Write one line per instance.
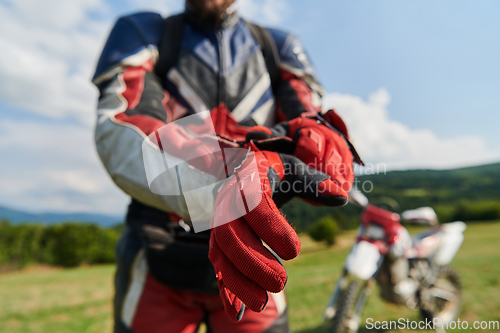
(69, 244)
(466, 195)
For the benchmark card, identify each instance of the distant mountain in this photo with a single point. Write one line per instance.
(15, 216)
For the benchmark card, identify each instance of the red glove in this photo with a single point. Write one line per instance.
(318, 146)
(336, 121)
(323, 149)
(245, 268)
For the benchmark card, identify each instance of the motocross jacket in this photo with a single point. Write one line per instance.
(214, 66)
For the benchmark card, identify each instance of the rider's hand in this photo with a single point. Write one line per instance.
(323, 149)
(315, 144)
(245, 268)
(336, 121)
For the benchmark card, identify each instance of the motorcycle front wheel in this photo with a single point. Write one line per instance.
(347, 318)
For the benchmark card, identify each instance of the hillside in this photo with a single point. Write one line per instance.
(435, 187)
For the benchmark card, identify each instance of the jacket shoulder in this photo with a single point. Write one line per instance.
(292, 53)
(130, 35)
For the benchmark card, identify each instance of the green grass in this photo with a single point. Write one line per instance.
(55, 300)
(79, 300)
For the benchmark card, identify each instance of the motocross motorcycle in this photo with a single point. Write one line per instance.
(411, 271)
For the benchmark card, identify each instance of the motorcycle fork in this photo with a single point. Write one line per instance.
(331, 309)
(366, 290)
(342, 283)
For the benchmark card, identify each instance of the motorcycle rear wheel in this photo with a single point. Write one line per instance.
(443, 299)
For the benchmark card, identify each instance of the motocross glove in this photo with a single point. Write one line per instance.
(245, 268)
(321, 147)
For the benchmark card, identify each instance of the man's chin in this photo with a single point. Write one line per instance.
(209, 10)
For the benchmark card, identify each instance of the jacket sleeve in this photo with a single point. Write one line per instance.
(132, 107)
(299, 90)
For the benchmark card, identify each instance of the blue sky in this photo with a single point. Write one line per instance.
(417, 82)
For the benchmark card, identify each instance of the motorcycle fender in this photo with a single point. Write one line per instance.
(451, 242)
(363, 260)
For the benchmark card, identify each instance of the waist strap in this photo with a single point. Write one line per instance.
(140, 214)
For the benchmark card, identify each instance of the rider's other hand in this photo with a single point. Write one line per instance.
(204, 152)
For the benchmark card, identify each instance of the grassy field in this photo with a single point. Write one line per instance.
(314, 273)
(52, 300)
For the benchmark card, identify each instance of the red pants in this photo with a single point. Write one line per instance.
(145, 305)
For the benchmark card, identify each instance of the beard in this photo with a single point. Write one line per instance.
(209, 10)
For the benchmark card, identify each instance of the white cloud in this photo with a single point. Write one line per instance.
(54, 167)
(48, 56)
(379, 139)
(57, 14)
